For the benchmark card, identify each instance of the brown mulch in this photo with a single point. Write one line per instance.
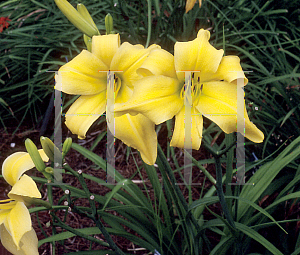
(11, 143)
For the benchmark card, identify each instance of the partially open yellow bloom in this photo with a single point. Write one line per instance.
(16, 232)
(160, 94)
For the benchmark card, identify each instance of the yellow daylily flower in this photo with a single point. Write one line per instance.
(16, 232)
(85, 75)
(160, 94)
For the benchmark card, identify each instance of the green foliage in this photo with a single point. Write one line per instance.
(168, 224)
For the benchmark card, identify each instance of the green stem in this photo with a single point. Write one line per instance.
(207, 174)
(108, 238)
(173, 181)
(37, 201)
(74, 231)
(94, 215)
(220, 193)
(217, 153)
(172, 178)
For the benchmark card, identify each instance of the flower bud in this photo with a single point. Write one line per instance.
(76, 18)
(49, 148)
(109, 24)
(66, 146)
(49, 170)
(35, 155)
(86, 15)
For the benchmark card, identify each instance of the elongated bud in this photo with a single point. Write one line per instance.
(88, 42)
(76, 18)
(86, 15)
(35, 155)
(49, 148)
(109, 24)
(66, 146)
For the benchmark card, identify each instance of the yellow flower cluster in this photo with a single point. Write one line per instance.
(149, 87)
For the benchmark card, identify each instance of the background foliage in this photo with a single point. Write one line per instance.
(264, 34)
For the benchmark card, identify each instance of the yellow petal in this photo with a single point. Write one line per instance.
(82, 76)
(18, 163)
(123, 95)
(138, 132)
(128, 59)
(229, 70)
(159, 62)
(156, 97)
(28, 243)
(104, 47)
(197, 55)
(197, 126)
(5, 212)
(189, 5)
(18, 222)
(7, 204)
(84, 112)
(25, 187)
(218, 102)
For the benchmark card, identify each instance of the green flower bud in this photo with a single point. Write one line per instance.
(86, 15)
(49, 170)
(109, 24)
(66, 146)
(76, 18)
(35, 155)
(49, 148)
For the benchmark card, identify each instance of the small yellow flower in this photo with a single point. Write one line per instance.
(85, 75)
(16, 232)
(160, 94)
